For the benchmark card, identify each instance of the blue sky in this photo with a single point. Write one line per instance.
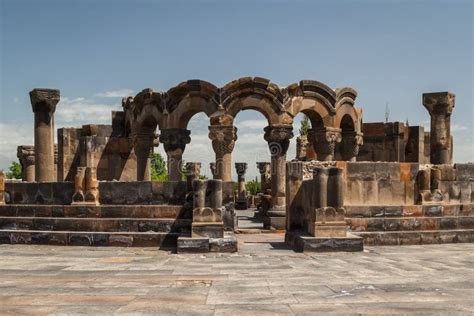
(96, 51)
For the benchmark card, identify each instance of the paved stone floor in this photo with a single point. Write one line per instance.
(263, 278)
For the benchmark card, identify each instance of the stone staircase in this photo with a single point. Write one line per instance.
(412, 225)
(105, 225)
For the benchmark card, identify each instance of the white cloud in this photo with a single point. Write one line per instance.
(16, 99)
(13, 135)
(115, 93)
(80, 111)
(252, 124)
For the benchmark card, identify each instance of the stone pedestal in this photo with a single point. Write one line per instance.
(223, 139)
(278, 138)
(440, 105)
(86, 187)
(324, 142)
(174, 141)
(241, 201)
(265, 176)
(193, 171)
(44, 103)
(26, 155)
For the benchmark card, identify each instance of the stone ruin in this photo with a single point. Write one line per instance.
(351, 183)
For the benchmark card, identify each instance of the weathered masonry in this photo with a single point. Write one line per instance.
(351, 182)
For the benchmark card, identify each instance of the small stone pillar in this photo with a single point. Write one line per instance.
(424, 184)
(335, 190)
(44, 103)
(440, 105)
(350, 144)
(435, 185)
(193, 170)
(26, 155)
(324, 141)
(320, 180)
(2, 188)
(278, 138)
(86, 186)
(174, 141)
(223, 139)
(212, 166)
(301, 147)
(265, 176)
(241, 201)
(294, 180)
(207, 220)
(143, 145)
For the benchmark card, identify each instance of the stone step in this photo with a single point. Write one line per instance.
(417, 237)
(68, 238)
(161, 225)
(105, 211)
(410, 223)
(409, 210)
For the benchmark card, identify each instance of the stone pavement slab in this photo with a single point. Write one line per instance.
(264, 278)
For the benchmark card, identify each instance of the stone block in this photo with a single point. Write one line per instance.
(429, 223)
(465, 236)
(448, 223)
(410, 224)
(466, 222)
(370, 192)
(145, 192)
(207, 214)
(192, 245)
(409, 238)
(227, 244)
(398, 191)
(58, 239)
(429, 238)
(433, 210)
(100, 240)
(365, 171)
(120, 240)
(80, 239)
(451, 210)
(207, 230)
(390, 224)
(304, 243)
(384, 191)
(464, 172)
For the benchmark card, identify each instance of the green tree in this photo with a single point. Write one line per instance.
(14, 171)
(253, 186)
(305, 126)
(158, 168)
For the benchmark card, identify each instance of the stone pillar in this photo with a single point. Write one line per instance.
(320, 185)
(212, 166)
(335, 188)
(265, 176)
(324, 141)
(207, 220)
(424, 184)
(174, 141)
(301, 147)
(26, 155)
(2, 188)
(92, 185)
(79, 186)
(193, 170)
(278, 138)
(350, 144)
(215, 193)
(440, 105)
(241, 202)
(44, 103)
(143, 145)
(223, 139)
(294, 200)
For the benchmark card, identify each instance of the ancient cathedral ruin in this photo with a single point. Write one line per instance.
(352, 183)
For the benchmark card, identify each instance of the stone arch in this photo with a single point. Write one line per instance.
(254, 93)
(314, 99)
(345, 105)
(143, 112)
(188, 98)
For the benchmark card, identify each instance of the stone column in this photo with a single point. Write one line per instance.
(335, 190)
(320, 185)
(424, 185)
(324, 142)
(350, 144)
(143, 146)
(223, 139)
(44, 103)
(440, 105)
(193, 170)
(265, 176)
(26, 155)
(278, 138)
(301, 147)
(241, 202)
(294, 200)
(215, 193)
(2, 188)
(174, 140)
(212, 166)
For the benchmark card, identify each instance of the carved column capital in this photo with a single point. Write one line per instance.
(301, 145)
(264, 167)
(278, 138)
(324, 141)
(143, 144)
(223, 138)
(439, 103)
(175, 138)
(351, 142)
(44, 100)
(241, 168)
(26, 155)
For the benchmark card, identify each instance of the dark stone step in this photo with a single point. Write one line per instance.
(68, 238)
(410, 223)
(104, 211)
(96, 224)
(361, 211)
(416, 237)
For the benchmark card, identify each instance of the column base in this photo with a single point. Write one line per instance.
(275, 218)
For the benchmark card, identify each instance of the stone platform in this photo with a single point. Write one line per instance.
(303, 242)
(264, 278)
